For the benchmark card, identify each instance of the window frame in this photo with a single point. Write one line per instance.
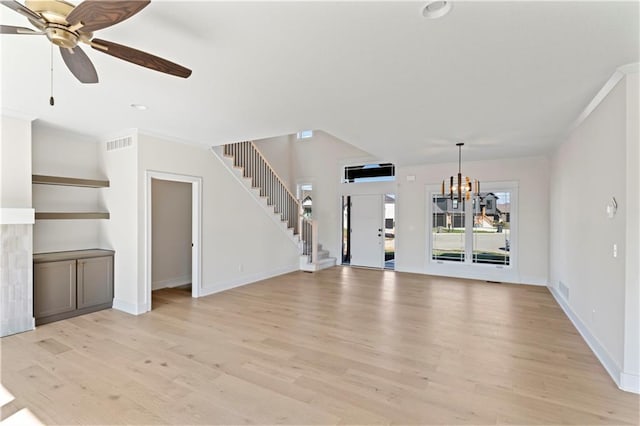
(468, 267)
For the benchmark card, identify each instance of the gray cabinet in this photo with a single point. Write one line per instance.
(95, 281)
(56, 289)
(71, 283)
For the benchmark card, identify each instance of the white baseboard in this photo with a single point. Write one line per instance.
(173, 282)
(480, 275)
(248, 279)
(130, 308)
(596, 347)
(630, 382)
(533, 281)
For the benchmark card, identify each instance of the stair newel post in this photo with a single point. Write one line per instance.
(314, 245)
(300, 218)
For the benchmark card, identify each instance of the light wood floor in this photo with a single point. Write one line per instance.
(343, 345)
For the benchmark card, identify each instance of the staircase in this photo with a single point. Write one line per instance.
(251, 169)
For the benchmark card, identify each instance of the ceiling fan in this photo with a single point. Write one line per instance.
(66, 25)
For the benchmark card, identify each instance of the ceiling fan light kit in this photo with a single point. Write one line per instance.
(67, 25)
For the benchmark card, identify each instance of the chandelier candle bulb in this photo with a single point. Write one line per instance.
(451, 188)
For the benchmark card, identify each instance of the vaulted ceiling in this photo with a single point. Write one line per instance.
(507, 78)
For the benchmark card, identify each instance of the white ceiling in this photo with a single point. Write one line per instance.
(507, 78)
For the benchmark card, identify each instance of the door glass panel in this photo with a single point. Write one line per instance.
(448, 229)
(492, 228)
(346, 230)
(389, 231)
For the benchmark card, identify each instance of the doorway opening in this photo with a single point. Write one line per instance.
(170, 237)
(173, 224)
(368, 230)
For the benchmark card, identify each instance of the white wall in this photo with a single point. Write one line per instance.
(15, 162)
(240, 243)
(120, 232)
(58, 152)
(319, 160)
(590, 168)
(531, 175)
(631, 367)
(171, 233)
(277, 152)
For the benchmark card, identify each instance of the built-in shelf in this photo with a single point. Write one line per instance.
(68, 181)
(69, 215)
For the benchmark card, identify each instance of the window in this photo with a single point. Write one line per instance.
(448, 229)
(305, 134)
(377, 172)
(478, 231)
(492, 228)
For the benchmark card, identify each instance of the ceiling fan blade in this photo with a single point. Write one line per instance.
(141, 58)
(97, 14)
(25, 11)
(8, 29)
(79, 64)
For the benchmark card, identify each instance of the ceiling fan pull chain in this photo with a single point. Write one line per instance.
(51, 100)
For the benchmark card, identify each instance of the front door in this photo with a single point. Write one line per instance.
(367, 230)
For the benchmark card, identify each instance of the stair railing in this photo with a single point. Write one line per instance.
(247, 156)
(309, 239)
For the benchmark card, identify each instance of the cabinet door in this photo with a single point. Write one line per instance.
(95, 281)
(54, 288)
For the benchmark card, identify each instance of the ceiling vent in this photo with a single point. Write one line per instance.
(120, 143)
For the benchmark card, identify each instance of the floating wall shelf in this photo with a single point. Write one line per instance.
(70, 215)
(67, 181)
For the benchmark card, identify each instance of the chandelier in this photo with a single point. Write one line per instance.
(461, 188)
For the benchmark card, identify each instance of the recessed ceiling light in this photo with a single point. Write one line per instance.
(436, 9)
(139, 107)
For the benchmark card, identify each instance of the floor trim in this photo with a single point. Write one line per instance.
(130, 308)
(596, 347)
(249, 279)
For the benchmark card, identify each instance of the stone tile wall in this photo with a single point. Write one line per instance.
(16, 279)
